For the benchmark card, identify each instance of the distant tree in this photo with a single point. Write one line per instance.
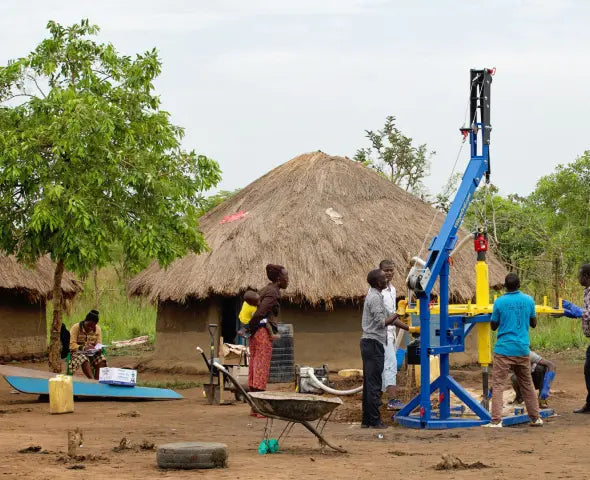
(394, 156)
(443, 200)
(210, 202)
(89, 159)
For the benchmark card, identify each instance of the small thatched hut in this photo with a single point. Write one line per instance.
(329, 220)
(23, 294)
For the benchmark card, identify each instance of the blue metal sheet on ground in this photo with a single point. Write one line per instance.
(40, 386)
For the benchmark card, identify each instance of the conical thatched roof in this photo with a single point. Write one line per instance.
(37, 282)
(291, 218)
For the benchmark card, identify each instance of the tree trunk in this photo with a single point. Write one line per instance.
(556, 277)
(54, 339)
(96, 291)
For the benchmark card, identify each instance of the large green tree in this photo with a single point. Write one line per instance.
(88, 157)
(125, 269)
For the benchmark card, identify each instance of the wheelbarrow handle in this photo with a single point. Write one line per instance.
(247, 396)
(200, 350)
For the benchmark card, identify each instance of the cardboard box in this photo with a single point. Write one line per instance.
(230, 354)
(118, 376)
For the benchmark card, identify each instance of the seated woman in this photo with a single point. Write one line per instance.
(84, 337)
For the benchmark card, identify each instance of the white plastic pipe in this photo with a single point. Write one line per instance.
(461, 244)
(316, 383)
(417, 260)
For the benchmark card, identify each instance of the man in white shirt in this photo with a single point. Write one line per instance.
(390, 364)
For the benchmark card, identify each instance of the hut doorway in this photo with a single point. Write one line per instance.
(230, 323)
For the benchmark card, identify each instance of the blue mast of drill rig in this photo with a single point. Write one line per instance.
(423, 276)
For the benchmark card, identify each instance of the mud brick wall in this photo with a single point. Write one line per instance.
(23, 329)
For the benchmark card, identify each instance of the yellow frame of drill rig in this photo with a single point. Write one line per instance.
(482, 305)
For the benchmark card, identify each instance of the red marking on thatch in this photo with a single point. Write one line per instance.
(234, 217)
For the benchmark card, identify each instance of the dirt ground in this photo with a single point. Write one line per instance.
(558, 450)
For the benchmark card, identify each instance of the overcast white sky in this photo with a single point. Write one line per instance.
(258, 82)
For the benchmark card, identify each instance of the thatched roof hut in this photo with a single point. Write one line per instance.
(23, 295)
(36, 282)
(328, 220)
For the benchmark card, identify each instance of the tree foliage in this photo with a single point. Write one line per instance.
(546, 235)
(90, 158)
(395, 156)
(514, 233)
(563, 199)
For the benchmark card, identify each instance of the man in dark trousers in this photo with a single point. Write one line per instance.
(375, 323)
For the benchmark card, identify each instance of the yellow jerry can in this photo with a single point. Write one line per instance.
(61, 394)
(434, 370)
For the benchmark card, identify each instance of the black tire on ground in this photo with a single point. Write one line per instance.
(192, 455)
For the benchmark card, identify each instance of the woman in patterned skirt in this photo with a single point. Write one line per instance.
(262, 323)
(84, 337)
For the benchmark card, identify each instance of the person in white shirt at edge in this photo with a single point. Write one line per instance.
(390, 366)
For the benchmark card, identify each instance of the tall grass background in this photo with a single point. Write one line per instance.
(557, 334)
(121, 318)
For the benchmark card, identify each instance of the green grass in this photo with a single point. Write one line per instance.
(557, 334)
(173, 384)
(121, 318)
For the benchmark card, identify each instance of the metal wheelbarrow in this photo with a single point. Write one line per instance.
(292, 408)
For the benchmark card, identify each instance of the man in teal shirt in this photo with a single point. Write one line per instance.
(513, 314)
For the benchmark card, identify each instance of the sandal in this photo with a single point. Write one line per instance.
(395, 405)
